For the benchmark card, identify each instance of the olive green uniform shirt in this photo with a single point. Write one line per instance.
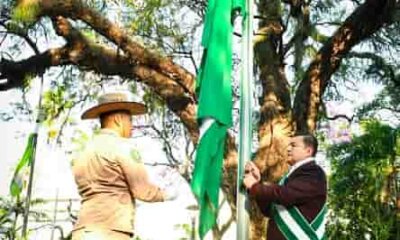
(110, 176)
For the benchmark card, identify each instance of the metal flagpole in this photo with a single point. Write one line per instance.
(246, 94)
(32, 167)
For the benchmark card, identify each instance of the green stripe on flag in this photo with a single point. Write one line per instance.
(16, 185)
(207, 175)
(214, 92)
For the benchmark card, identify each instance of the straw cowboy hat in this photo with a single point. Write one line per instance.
(112, 102)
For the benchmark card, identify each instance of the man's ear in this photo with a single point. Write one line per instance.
(117, 120)
(309, 150)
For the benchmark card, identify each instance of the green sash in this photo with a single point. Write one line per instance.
(294, 226)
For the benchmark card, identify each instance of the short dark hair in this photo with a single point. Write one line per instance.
(310, 140)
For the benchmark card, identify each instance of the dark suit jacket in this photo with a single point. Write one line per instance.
(305, 188)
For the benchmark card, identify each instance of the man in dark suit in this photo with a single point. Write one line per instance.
(296, 206)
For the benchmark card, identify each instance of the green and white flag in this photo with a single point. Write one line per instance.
(214, 91)
(19, 180)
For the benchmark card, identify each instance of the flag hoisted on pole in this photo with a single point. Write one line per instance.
(214, 114)
(27, 164)
(245, 132)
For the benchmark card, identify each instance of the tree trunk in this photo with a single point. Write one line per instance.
(274, 126)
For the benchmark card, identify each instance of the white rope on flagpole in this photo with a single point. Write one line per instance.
(246, 93)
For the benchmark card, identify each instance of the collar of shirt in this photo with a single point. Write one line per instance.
(299, 164)
(108, 132)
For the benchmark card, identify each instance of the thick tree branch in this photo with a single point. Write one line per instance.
(76, 9)
(379, 61)
(15, 72)
(365, 21)
(349, 119)
(88, 56)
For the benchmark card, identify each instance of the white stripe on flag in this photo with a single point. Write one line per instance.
(207, 122)
(291, 223)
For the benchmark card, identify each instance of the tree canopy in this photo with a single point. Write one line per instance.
(306, 53)
(364, 184)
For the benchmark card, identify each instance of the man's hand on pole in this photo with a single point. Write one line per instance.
(252, 175)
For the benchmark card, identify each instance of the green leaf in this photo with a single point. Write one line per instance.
(26, 11)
